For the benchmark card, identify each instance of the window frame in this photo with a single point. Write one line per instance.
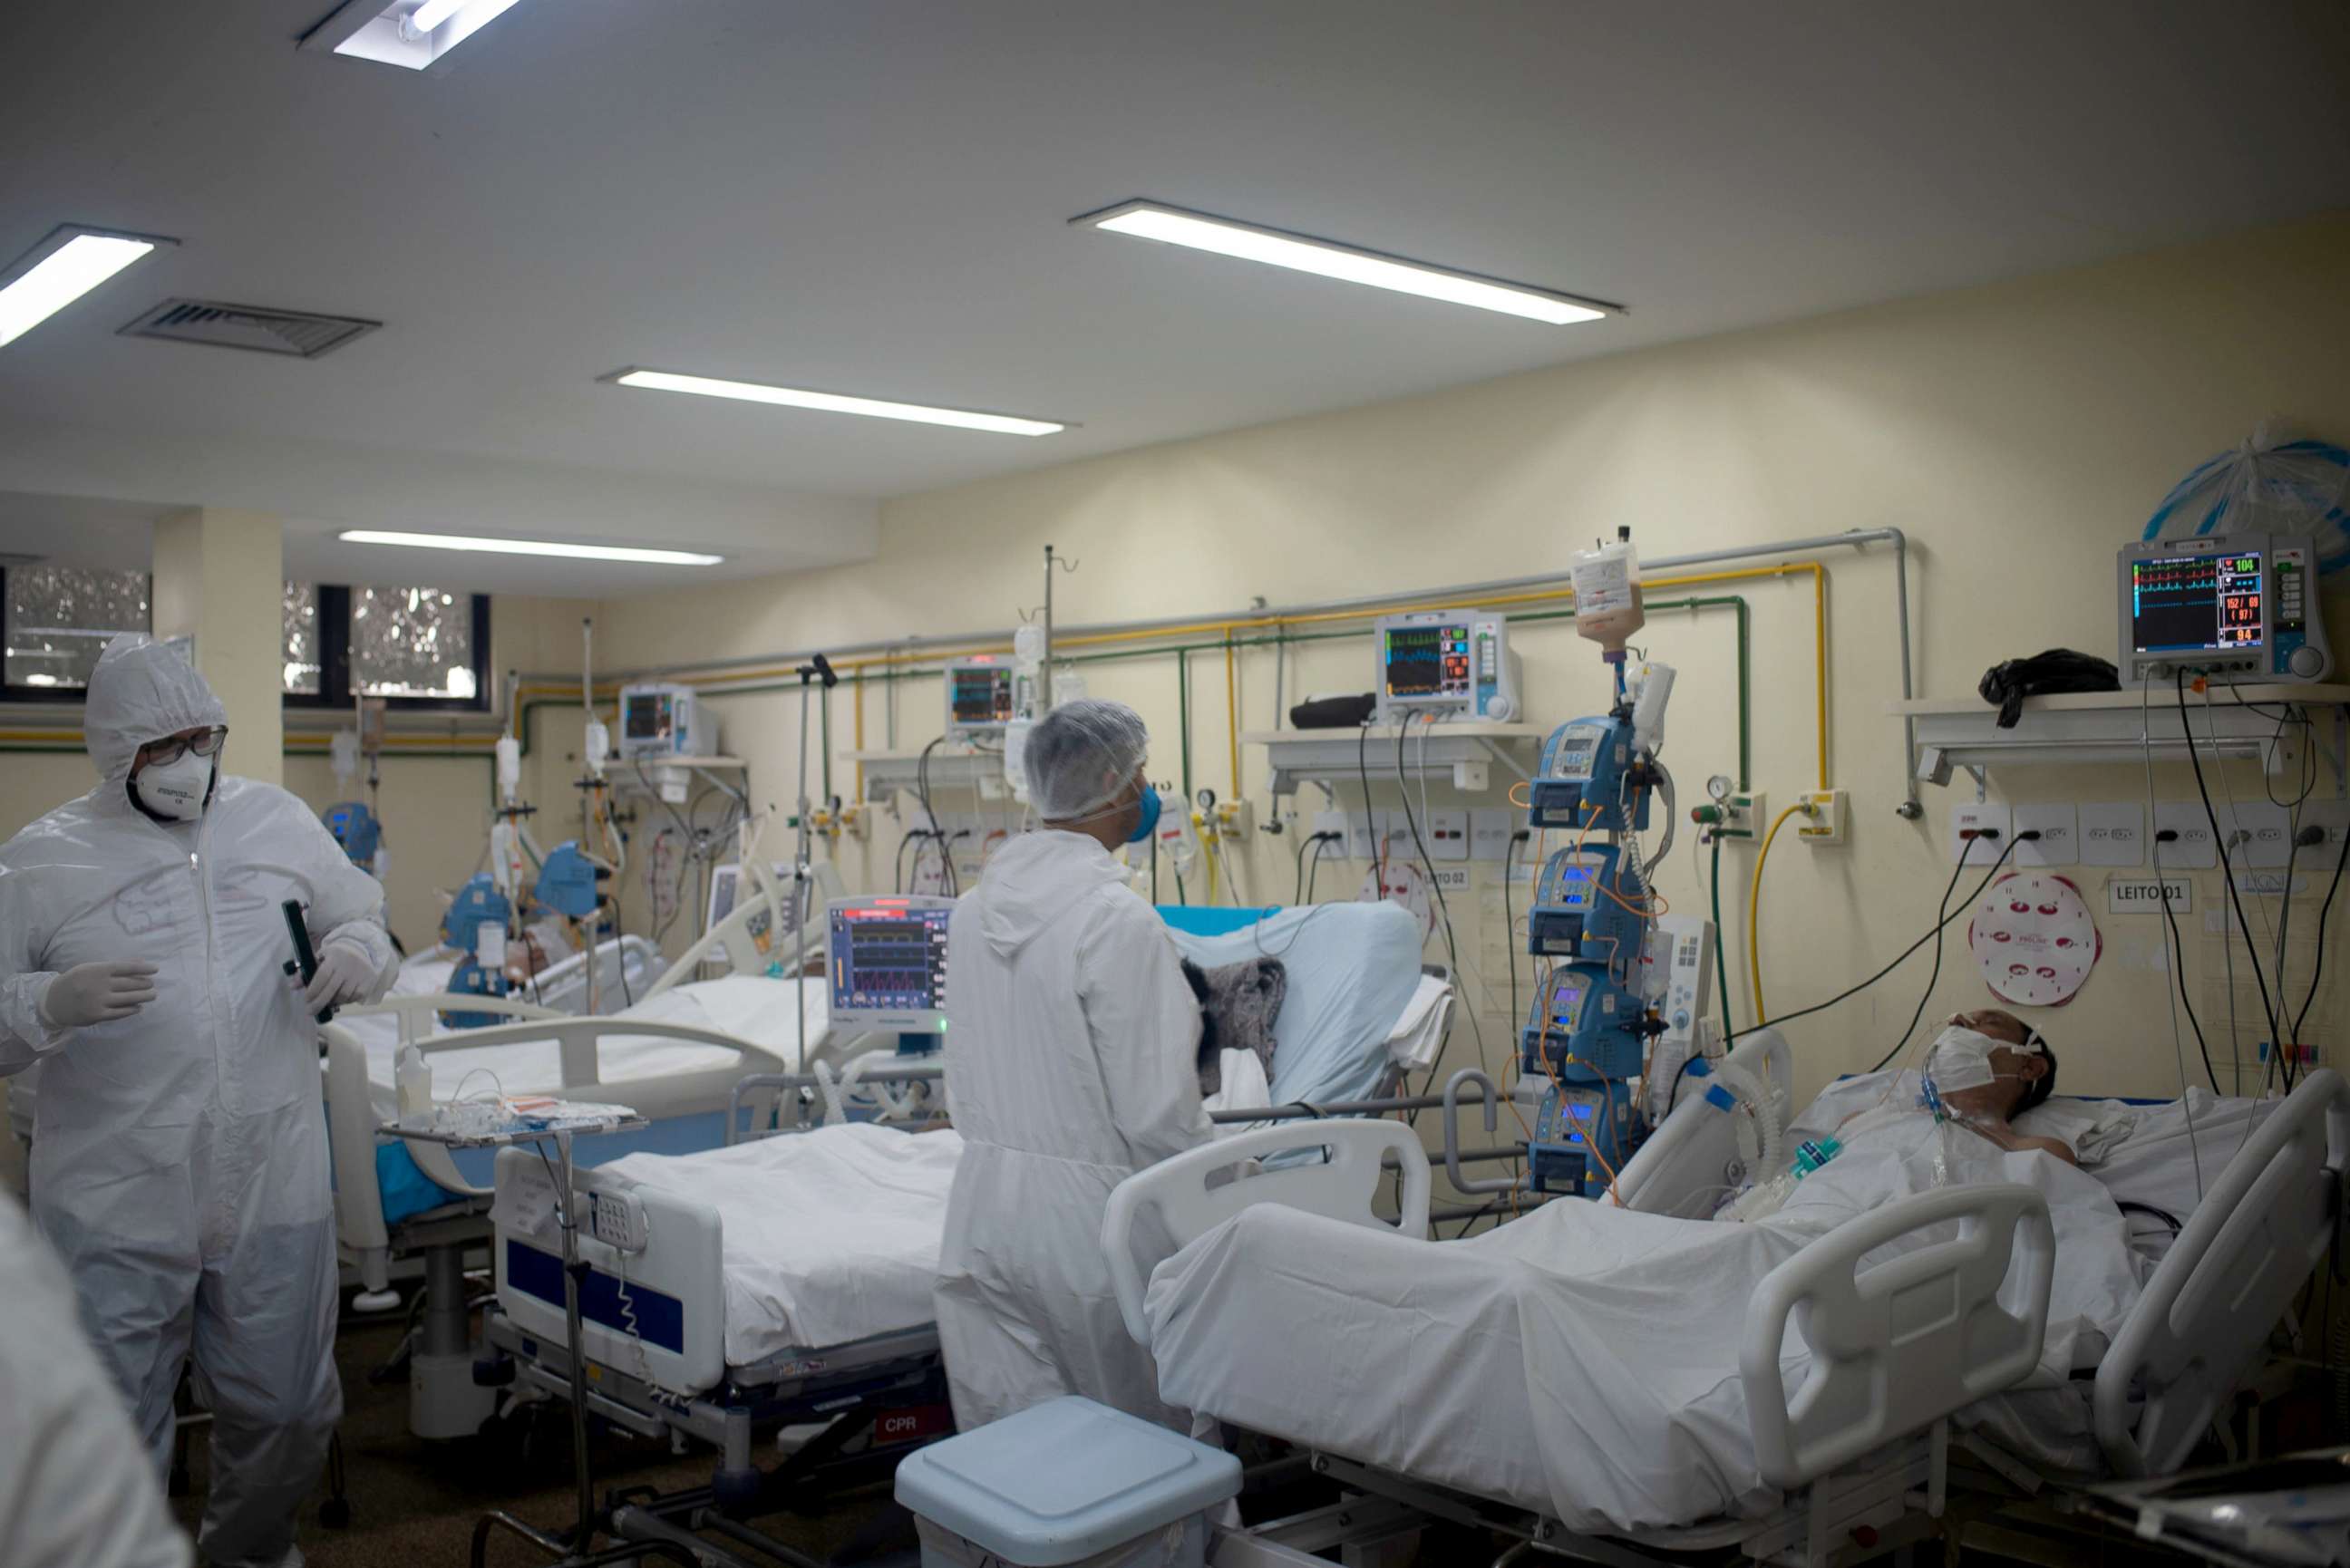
(55, 695)
(335, 661)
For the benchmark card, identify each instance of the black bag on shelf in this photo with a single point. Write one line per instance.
(2009, 682)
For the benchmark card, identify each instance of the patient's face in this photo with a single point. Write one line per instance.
(2018, 1068)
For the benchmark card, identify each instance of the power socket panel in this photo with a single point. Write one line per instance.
(1826, 823)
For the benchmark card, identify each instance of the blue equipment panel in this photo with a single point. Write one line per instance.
(1573, 1124)
(1573, 913)
(478, 904)
(355, 828)
(470, 979)
(567, 883)
(1584, 1026)
(1581, 782)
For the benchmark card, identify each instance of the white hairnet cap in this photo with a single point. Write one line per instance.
(139, 691)
(1081, 757)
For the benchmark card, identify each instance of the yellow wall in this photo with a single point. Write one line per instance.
(2019, 432)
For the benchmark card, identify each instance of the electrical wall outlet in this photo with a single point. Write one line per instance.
(1826, 822)
(1333, 822)
(1490, 827)
(1447, 832)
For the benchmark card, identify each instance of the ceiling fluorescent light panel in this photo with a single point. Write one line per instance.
(406, 33)
(570, 552)
(832, 402)
(1348, 264)
(71, 260)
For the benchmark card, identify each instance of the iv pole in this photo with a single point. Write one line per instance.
(817, 668)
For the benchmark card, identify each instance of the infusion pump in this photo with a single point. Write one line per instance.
(1446, 664)
(2233, 608)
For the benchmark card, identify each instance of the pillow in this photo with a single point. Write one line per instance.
(1351, 969)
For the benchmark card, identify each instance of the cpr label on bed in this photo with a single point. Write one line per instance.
(2144, 895)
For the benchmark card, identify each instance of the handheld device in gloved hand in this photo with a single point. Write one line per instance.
(304, 962)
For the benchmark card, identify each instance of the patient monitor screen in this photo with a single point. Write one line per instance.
(979, 696)
(888, 958)
(1427, 663)
(2196, 603)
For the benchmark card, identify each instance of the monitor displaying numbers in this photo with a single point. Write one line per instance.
(1427, 663)
(2182, 603)
(979, 695)
(887, 960)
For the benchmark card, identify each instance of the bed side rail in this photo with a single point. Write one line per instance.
(418, 1015)
(766, 899)
(2262, 1225)
(1201, 1187)
(1900, 1344)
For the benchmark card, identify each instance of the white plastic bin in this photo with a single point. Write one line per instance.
(1067, 1484)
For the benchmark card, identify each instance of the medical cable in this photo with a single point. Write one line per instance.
(2275, 934)
(1509, 917)
(922, 789)
(1933, 977)
(1452, 949)
(1754, 909)
(1896, 963)
(2228, 872)
(2172, 944)
(2318, 969)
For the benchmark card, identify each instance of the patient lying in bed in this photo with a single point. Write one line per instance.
(1584, 1360)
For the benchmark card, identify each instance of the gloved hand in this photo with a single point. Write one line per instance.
(100, 993)
(344, 976)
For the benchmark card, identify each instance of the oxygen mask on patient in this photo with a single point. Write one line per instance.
(1959, 1060)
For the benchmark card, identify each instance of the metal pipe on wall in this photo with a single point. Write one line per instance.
(1461, 593)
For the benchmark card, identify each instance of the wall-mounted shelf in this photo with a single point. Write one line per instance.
(665, 777)
(951, 766)
(2079, 728)
(1462, 751)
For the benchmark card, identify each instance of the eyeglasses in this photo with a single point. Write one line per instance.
(171, 748)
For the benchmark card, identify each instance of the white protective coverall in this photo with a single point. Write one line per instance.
(1070, 1060)
(76, 1491)
(179, 1154)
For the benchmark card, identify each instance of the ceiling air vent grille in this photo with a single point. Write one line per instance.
(263, 330)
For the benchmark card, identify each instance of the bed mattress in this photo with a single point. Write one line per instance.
(753, 1009)
(829, 1236)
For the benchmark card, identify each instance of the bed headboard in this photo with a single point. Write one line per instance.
(2266, 1219)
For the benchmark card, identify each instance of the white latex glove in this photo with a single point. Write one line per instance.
(100, 992)
(344, 976)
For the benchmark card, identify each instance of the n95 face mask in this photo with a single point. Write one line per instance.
(1959, 1060)
(176, 789)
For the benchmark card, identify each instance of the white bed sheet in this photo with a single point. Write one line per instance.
(1582, 1362)
(829, 1236)
(753, 1008)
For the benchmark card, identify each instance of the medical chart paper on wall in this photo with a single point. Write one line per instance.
(2034, 939)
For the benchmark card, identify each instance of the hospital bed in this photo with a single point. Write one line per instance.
(673, 1058)
(1903, 1352)
(788, 1276)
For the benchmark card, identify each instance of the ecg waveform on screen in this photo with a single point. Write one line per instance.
(2197, 601)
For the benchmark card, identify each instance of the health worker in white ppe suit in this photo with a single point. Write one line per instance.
(179, 1147)
(1071, 1063)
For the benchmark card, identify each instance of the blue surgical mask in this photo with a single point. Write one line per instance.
(1150, 823)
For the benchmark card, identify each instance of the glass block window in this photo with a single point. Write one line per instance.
(412, 642)
(305, 665)
(57, 620)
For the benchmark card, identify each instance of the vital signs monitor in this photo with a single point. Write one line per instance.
(979, 695)
(1446, 664)
(2235, 608)
(887, 958)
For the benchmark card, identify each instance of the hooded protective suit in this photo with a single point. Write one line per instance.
(1070, 1066)
(179, 1154)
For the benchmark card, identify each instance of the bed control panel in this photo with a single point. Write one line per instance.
(614, 1218)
